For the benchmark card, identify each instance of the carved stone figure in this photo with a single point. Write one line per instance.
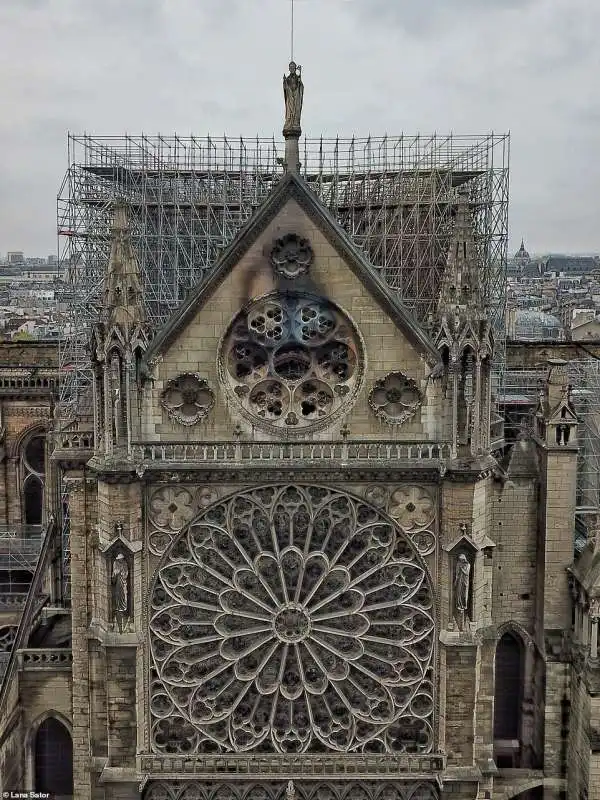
(120, 591)
(462, 574)
(293, 92)
(290, 791)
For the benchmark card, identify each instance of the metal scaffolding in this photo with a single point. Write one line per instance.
(189, 196)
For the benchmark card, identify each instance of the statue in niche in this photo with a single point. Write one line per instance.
(117, 414)
(120, 592)
(290, 791)
(461, 585)
(293, 92)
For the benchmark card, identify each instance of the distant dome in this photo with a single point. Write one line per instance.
(533, 324)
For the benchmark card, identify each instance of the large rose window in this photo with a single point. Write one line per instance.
(292, 619)
(291, 361)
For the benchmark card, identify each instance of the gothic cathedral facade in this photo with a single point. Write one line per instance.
(299, 568)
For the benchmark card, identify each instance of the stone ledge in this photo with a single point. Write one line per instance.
(460, 638)
(304, 766)
(113, 638)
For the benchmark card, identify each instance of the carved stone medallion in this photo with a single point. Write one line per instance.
(395, 398)
(291, 256)
(187, 399)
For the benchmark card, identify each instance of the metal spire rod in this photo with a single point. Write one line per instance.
(292, 33)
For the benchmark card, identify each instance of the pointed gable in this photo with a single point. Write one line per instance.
(460, 314)
(293, 188)
(123, 319)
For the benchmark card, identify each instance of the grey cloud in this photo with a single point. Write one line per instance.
(427, 16)
(370, 66)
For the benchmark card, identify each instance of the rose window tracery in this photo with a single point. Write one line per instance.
(292, 361)
(292, 619)
(395, 398)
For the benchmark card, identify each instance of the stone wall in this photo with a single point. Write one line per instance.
(196, 347)
(121, 693)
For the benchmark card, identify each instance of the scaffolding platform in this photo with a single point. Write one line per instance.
(188, 196)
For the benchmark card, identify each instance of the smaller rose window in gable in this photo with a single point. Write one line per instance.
(291, 256)
(395, 398)
(291, 361)
(187, 399)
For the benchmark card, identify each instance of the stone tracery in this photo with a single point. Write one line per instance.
(304, 790)
(291, 361)
(292, 619)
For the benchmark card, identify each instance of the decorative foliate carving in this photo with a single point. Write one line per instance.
(291, 256)
(395, 398)
(412, 507)
(292, 361)
(377, 495)
(291, 619)
(303, 790)
(187, 399)
(206, 496)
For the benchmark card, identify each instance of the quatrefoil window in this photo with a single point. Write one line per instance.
(291, 361)
(187, 399)
(291, 256)
(395, 398)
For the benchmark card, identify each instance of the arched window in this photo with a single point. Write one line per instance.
(508, 700)
(53, 759)
(33, 472)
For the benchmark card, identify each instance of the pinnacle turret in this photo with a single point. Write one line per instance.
(460, 294)
(123, 296)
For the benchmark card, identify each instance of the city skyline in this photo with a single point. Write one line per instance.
(178, 67)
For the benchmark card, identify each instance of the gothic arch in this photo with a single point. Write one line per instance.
(516, 789)
(36, 428)
(31, 740)
(518, 631)
(509, 694)
(334, 568)
(29, 456)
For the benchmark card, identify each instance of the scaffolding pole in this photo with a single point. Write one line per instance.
(189, 196)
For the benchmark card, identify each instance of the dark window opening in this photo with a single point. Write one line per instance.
(508, 701)
(53, 759)
(34, 455)
(33, 500)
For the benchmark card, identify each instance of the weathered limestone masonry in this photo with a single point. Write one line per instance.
(558, 457)
(82, 497)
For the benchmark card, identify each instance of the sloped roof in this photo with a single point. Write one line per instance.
(293, 187)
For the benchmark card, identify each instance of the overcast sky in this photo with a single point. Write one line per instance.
(531, 67)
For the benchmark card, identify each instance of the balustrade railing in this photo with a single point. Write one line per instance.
(44, 659)
(261, 452)
(390, 766)
(12, 600)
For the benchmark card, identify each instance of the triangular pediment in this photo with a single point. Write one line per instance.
(563, 413)
(292, 189)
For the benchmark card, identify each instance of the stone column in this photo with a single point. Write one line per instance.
(455, 368)
(594, 617)
(75, 482)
